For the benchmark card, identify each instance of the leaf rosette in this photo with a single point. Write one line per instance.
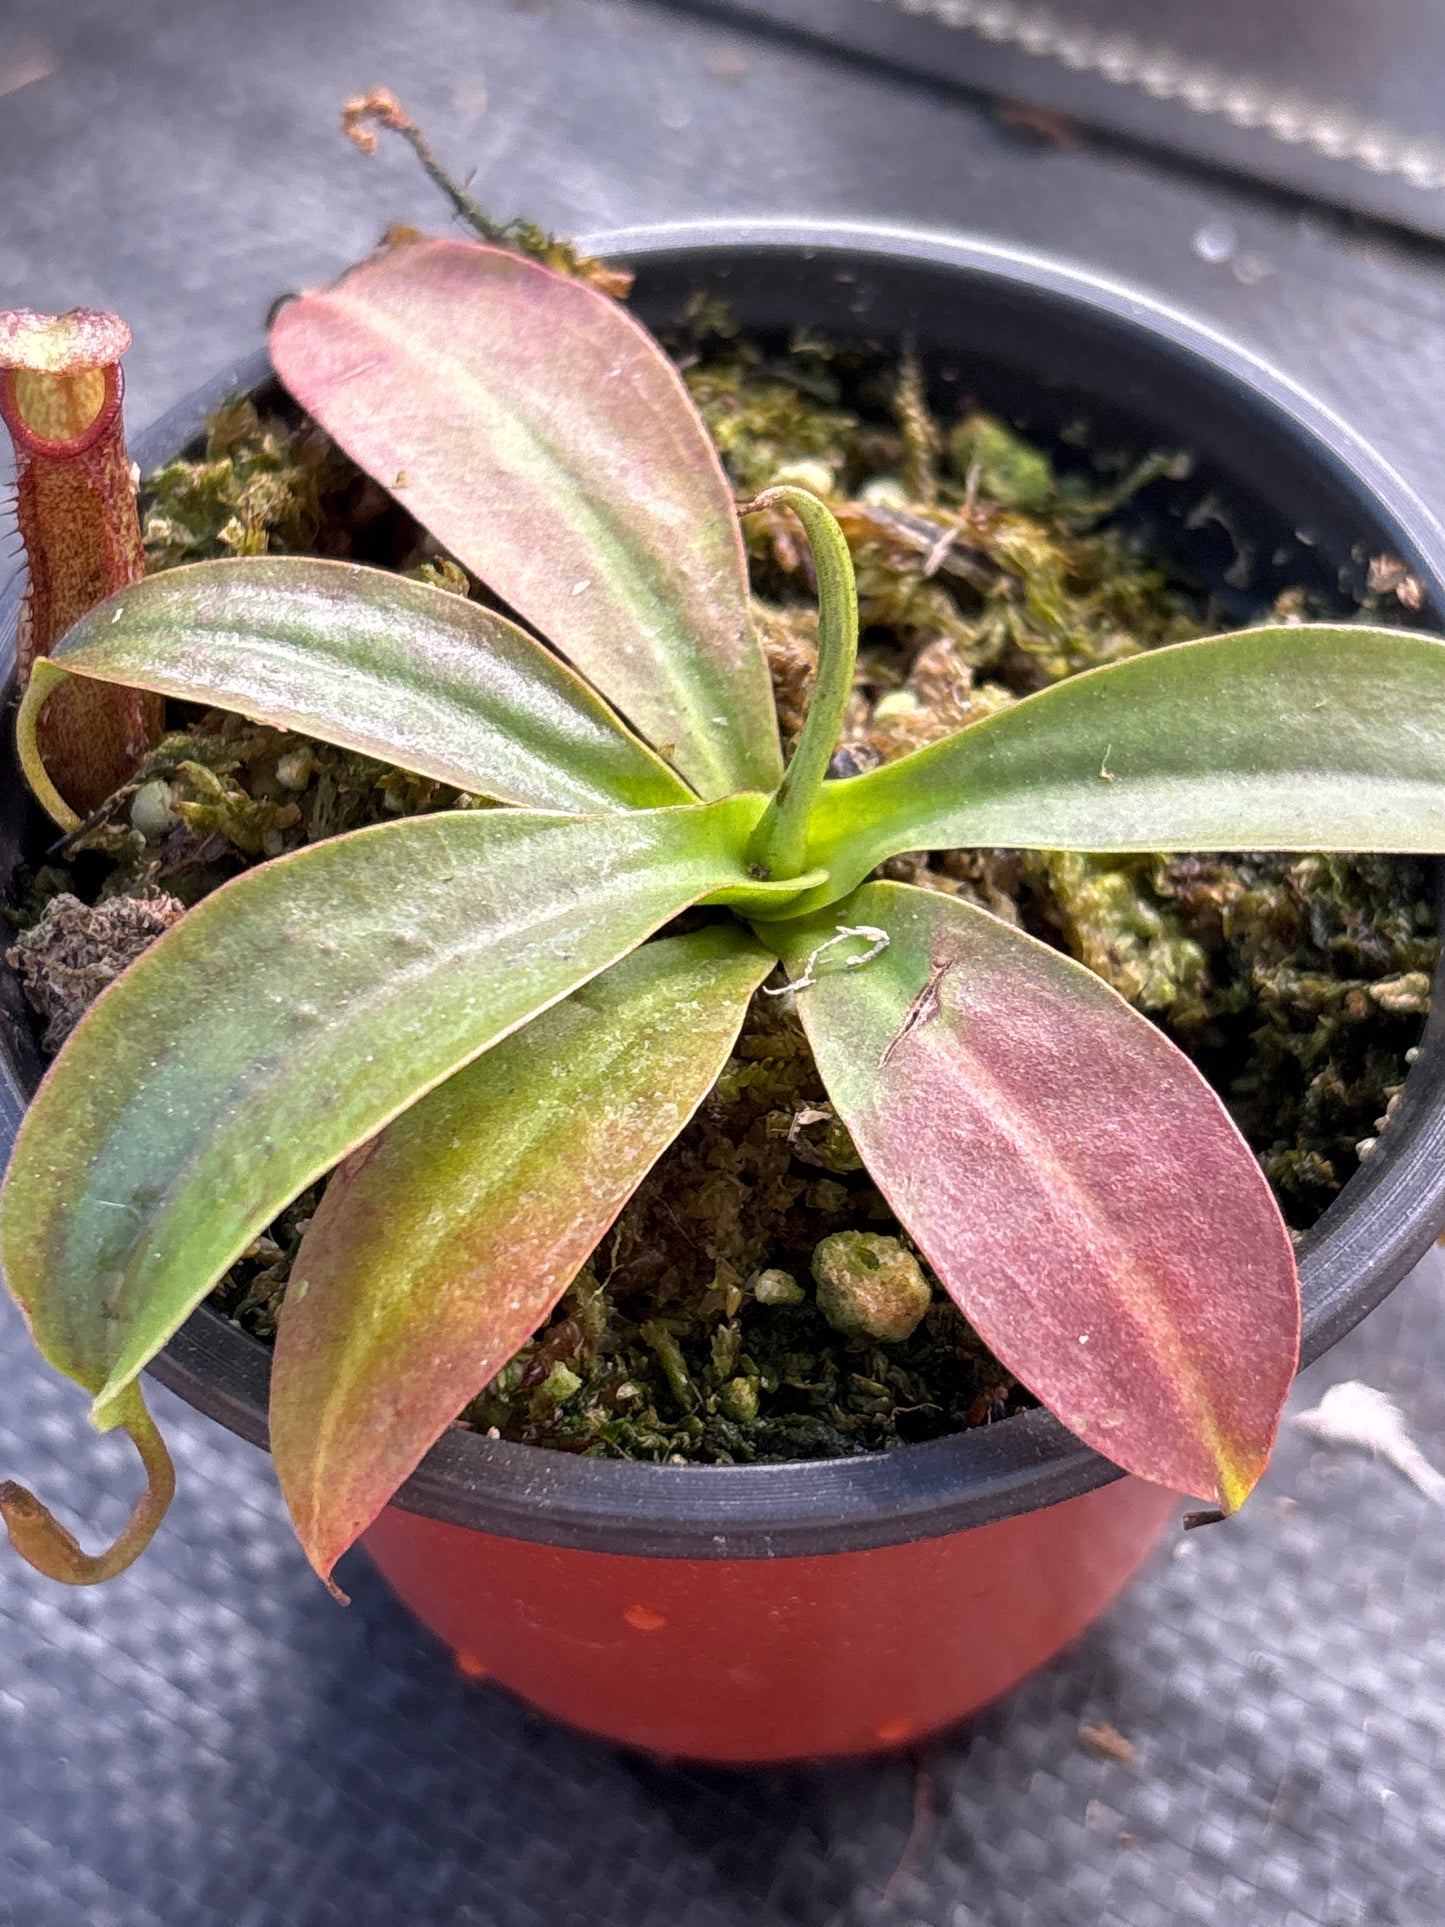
(479, 1021)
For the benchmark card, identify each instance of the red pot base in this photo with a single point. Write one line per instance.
(752, 1660)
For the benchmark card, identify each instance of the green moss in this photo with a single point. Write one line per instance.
(1112, 919)
(765, 417)
(220, 794)
(997, 465)
(261, 486)
(1320, 969)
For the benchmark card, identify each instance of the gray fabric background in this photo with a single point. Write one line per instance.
(210, 1740)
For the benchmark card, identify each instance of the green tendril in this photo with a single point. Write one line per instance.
(780, 842)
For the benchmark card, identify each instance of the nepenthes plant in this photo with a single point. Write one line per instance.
(488, 1023)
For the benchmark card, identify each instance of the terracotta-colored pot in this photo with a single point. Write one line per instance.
(768, 1659)
(753, 1613)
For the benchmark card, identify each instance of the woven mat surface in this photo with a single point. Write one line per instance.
(210, 1742)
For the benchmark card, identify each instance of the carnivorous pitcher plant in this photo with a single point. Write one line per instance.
(484, 1021)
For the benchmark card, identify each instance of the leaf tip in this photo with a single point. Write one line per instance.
(108, 1407)
(326, 1522)
(1237, 1476)
(324, 1539)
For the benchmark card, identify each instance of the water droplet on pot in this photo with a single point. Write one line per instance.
(1215, 242)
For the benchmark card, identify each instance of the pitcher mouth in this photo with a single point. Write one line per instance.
(19, 420)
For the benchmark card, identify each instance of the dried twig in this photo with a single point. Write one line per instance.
(925, 1812)
(381, 108)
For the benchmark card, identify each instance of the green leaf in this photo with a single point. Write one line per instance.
(1077, 1187)
(1300, 738)
(543, 437)
(372, 662)
(288, 1018)
(440, 1248)
(773, 899)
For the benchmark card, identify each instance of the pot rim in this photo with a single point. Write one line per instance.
(1383, 1222)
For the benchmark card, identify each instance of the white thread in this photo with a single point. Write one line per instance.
(879, 939)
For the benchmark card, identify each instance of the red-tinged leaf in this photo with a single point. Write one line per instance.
(440, 1249)
(1078, 1188)
(542, 435)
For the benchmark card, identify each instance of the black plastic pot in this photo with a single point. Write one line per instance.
(1303, 501)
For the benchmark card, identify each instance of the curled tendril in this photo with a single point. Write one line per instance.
(40, 1539)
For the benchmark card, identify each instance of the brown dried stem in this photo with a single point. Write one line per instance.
(381, 108)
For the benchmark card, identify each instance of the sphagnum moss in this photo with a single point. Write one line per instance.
(984, 572)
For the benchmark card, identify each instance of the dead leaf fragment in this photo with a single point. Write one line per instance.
(1042, 124)
(1388, 575)
(76, 951)
(1107, 1742)
(24, 65)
